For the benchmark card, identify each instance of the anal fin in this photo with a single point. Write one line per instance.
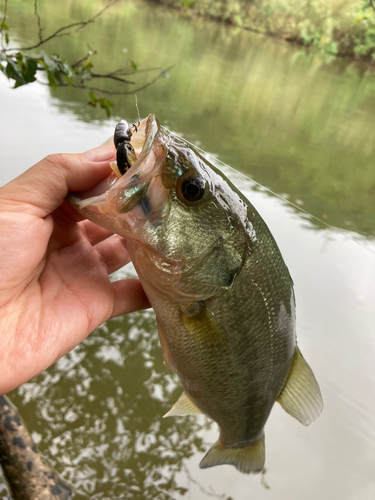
(301, 396)
(183, 406)
(249, 460)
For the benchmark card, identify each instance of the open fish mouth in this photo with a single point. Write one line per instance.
(121, 192)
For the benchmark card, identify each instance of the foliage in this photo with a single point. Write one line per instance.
(337, 27)
(365, 45)
(21, 68)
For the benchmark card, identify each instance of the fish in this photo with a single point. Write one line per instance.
(221, 291)
(26, 470)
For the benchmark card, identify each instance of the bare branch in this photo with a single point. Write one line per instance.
(112, 77)
(63, 31)
(124, 72)
(111, 92)
(80, 61)
(163, 73)
(94, 89)
(39, 20)
(5, 11)
(85, 87)
(58, 33)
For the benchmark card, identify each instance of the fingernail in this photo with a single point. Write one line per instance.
(101, 153)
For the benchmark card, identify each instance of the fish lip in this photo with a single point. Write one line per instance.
(122, 193)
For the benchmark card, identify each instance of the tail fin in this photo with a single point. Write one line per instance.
(247, 460)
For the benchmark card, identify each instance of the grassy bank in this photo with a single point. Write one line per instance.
(335, 27)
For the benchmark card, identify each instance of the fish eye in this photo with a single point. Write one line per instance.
(192, 189)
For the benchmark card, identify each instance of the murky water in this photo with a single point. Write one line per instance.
(299, 125)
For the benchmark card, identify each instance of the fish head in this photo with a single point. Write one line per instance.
(186, 225)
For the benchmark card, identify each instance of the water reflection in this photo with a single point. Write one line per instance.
(97, 415)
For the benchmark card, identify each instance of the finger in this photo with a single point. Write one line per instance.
(129, 296)
(94, 233)
(113, 253)
(44, 186)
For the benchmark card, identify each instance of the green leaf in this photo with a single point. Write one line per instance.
(51, 79)
(6, 38)
(50, 65)
(20, 68)
(13, 71)
(29, 70)
(3, 26)
(18, 84)
(133, 65)
(68, 80)
(93, 99)
(65, 68)
(106, 105)
(84, 71)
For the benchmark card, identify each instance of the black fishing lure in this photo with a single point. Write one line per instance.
(125, 155)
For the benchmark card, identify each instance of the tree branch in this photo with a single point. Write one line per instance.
(5, 11)
(124, 72)
(23, 69)
(80, 61)
(38, 20)
(163, 73)
(62, 31)
(110, 92)
(112, 77)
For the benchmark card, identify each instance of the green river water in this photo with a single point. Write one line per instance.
(300, 126)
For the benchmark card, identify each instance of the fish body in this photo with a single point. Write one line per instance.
(222, 294)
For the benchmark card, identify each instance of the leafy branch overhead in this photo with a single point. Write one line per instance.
(25, 67)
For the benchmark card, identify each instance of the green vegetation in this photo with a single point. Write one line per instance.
(24, 65)
(336, 27)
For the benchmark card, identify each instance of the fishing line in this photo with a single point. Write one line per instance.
(341, 231)
(136, 105)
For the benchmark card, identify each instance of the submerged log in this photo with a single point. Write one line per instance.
(28, 474)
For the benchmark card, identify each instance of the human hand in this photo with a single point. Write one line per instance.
(54, 266)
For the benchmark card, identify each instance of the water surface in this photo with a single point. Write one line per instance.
(293, 122)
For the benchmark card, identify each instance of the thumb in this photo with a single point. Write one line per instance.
(44, 186)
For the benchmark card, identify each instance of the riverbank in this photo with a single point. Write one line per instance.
(343, 28)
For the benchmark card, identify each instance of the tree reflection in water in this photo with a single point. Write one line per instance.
(97, 415)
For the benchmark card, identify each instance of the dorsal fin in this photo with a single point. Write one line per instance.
(301, 395)
(183, 406)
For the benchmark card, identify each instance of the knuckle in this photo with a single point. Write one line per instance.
(56, 160)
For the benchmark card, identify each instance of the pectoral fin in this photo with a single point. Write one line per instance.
(164, 347)
(183, 406)
(301, 395)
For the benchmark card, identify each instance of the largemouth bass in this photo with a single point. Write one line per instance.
(222, 294)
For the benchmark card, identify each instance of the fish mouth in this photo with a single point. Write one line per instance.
(121, 194)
